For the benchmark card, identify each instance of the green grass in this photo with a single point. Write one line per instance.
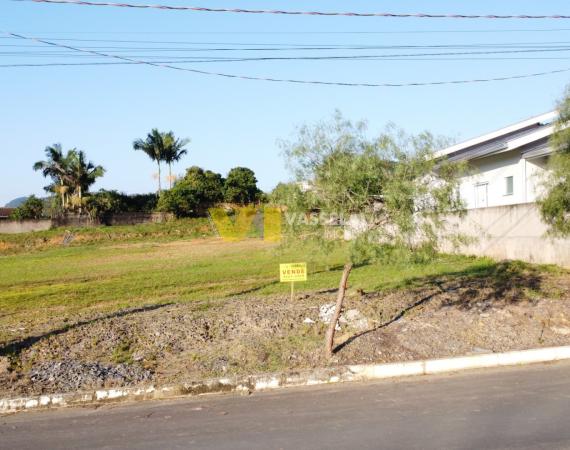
(42, 240)
(42, 289)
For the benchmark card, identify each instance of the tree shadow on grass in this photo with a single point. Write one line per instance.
(481, 287)
(15, 347)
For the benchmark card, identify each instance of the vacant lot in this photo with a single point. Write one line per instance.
(159, 304)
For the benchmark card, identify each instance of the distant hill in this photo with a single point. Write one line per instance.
(16, 202)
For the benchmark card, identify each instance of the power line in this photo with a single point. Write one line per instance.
(300, 13)
(118, 63)
(283, 80)
(293, 46)
(293, 58)
(298, 32)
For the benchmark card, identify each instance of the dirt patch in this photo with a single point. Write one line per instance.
(508, 309)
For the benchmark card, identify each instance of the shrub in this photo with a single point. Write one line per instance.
(104, 203)
(193, 194)
(241, 186)
(31, 209)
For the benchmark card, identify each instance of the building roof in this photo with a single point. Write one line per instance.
(526, 135)
(5, 212)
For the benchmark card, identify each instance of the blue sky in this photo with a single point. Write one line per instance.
(102, 109)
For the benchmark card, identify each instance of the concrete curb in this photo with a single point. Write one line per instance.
(248, 384)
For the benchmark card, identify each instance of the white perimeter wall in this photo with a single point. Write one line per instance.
(512, 232)
(501, 232)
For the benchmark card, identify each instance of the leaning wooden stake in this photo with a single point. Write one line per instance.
(329, 342)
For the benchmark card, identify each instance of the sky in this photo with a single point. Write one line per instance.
(101, 109)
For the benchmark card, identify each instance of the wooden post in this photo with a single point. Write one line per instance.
(329, 339)
(292, 290)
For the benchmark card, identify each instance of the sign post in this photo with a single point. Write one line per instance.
(292, 272)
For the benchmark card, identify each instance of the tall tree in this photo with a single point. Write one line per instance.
(555, 203)
(82, 174)
(388, 196)
(241, 186)
(153, 146)
(193, 194)
(71, 173)
(56, 167)
(159, 147)
(173, 151)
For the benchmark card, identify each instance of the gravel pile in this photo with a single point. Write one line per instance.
(72, 375)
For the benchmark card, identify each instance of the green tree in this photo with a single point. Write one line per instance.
(56, 167)
(241, 186)
(173, 151)
(208, 184)
(555, 204)
(159, 147)
(102, 203)
(31, 209)
(82, 174)
(283, 192)
(389, 194)
(71, 174)
(193, 194)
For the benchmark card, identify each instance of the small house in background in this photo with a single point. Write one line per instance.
(505, 165)
(5, 213)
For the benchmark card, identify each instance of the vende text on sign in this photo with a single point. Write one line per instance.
(293, 272)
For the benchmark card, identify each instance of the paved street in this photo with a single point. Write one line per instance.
(523, 408)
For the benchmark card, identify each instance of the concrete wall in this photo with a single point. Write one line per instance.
(513, 232)
(73, 221)
(137, 218)
(501, 232)
(26, 226)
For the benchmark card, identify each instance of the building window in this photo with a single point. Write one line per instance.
(509, 186)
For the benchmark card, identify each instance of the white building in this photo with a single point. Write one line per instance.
(505, 165)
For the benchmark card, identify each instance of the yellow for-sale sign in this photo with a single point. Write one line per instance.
(293, 272)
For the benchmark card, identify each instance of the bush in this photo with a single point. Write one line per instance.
(200, 189)
(555, 203)
(182, 200)
(288, 193)
(193, 194)
(104, 203)
(31, 209)
(241, 186)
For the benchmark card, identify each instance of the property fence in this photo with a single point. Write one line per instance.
(513, 232)
(501, 232)
(76, 221)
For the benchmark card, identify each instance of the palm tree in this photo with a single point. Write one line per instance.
(82, 173)
(71, 173)
(153, 146)
(56, 166)
(173, 151)
(162, 147)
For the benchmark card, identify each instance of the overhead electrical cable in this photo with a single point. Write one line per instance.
(284, 80)
(301, 13)
(291, 46)
(298, 32)
(20, 53)
(118, 63)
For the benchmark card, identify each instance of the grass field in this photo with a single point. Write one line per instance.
(49, 284)
(171, 302)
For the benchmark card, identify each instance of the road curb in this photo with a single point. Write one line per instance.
(248, 384)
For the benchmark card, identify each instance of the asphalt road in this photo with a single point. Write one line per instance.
(522, 408)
